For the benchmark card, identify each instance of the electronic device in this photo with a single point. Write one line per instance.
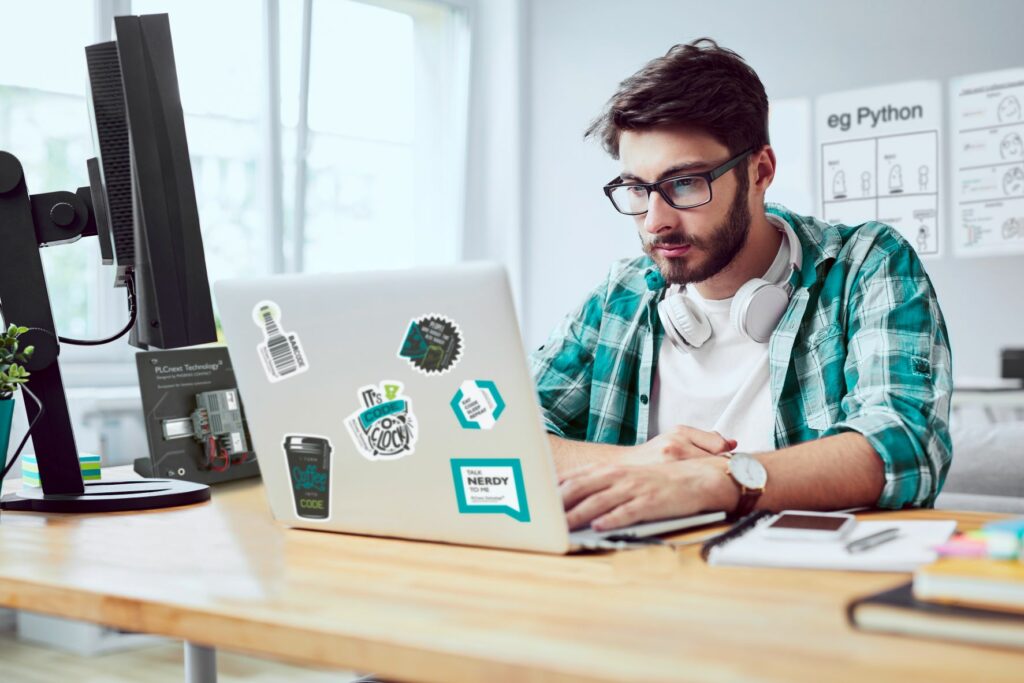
(217, 425)
(800, 525)
(141, 204)
(414, 415)
(756, 307)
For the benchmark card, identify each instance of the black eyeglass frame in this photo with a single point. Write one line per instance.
(708, 176)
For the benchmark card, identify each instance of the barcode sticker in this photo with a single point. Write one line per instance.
(280, 351)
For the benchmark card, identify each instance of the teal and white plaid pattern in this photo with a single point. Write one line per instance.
(862, 347)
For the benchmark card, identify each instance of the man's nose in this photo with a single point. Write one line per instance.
(660, 215)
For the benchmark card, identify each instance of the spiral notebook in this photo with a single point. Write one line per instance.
(745, 545)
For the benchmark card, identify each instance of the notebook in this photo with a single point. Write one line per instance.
(745, 545)
(984, 583)
(897, 611)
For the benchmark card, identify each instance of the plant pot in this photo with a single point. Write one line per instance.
(6, 416)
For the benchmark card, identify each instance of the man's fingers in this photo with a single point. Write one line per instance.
(596, 505)
(685, 452)
(586, 484)
(711, 442)
(630, 512)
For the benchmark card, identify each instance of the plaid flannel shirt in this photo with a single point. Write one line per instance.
(862, 347)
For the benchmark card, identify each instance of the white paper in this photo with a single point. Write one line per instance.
(988, 158)
(879, 159)
(911, 549)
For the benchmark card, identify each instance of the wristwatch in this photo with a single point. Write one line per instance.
(751, 476)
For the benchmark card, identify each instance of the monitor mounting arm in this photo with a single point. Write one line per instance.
(27, 223)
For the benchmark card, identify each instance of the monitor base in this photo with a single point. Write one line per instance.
(110, 496)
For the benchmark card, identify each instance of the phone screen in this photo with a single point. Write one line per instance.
(813, 522)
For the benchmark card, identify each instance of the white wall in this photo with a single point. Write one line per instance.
(578, 50)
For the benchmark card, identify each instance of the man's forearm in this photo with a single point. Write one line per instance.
(569, 454)
(833, 473)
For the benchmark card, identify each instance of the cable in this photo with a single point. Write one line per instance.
(28, 433)
(129, 281)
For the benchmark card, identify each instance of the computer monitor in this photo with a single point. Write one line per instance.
(141, 204)
(147, 183)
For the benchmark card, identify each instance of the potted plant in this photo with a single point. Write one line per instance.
(12, 375)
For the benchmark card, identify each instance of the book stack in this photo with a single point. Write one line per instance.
(89, 464)
(973, 594)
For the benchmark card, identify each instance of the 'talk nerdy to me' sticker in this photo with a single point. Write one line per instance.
(477, 404)
(493, 486)
(280, 351)
(433, 344)
(385, 427)
(309, 464)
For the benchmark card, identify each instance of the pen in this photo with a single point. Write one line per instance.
(868, 542)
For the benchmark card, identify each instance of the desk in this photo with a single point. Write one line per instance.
(223, 574)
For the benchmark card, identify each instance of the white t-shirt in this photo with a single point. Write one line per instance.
(723, 385)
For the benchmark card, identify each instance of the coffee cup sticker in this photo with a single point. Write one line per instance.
(280, 351)
(385, 427)
(432, 344)
(490, 486)
(309, 466)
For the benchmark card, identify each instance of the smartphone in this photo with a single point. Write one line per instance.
(798, 525)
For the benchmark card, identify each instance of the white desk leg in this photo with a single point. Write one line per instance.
(200, 664)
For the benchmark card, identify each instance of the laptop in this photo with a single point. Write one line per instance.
(400, 404)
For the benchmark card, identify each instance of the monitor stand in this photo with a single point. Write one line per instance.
(28, 223)
(110, 496)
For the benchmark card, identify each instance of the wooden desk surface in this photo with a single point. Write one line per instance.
(225, 574)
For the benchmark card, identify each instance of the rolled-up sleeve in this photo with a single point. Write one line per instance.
(898, 374)
(562, 368)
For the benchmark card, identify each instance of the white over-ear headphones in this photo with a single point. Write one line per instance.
(756, 309)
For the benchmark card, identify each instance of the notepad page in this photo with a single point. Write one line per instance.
(912, 548)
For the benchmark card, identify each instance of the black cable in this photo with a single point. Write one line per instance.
(133, 311)
(24, 440)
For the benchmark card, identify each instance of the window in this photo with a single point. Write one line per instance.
(44, 123)
(357, 164)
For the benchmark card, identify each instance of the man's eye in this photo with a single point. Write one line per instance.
(636, 189)
(682, 183)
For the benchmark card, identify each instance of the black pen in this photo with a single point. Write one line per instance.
(876, 539)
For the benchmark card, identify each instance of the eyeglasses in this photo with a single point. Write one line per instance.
(680, 192)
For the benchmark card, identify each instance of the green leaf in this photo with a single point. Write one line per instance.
(22, 330)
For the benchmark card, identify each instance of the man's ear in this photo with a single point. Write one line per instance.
(762, 169)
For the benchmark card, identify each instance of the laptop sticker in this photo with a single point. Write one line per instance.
(385, 427)
(309, 465)
(490, 486)
(432, 345)
(280, 351)
(477, 404)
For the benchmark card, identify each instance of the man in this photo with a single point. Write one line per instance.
(814, 357)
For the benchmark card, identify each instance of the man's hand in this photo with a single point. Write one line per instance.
(682, 443)
(612, 496)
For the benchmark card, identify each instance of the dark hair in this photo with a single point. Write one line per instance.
(699, 84)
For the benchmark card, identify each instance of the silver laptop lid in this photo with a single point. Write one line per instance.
(395, 403)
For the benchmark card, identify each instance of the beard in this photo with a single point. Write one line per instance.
(720, 247)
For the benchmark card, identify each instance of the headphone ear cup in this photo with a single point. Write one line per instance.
(685, 324)
(757, 308)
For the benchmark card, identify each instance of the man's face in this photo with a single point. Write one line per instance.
(687, 245)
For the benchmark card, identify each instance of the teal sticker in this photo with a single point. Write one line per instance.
(477, 404)
(490, 486)
(385, 427)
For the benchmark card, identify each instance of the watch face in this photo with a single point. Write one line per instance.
(748, 471)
